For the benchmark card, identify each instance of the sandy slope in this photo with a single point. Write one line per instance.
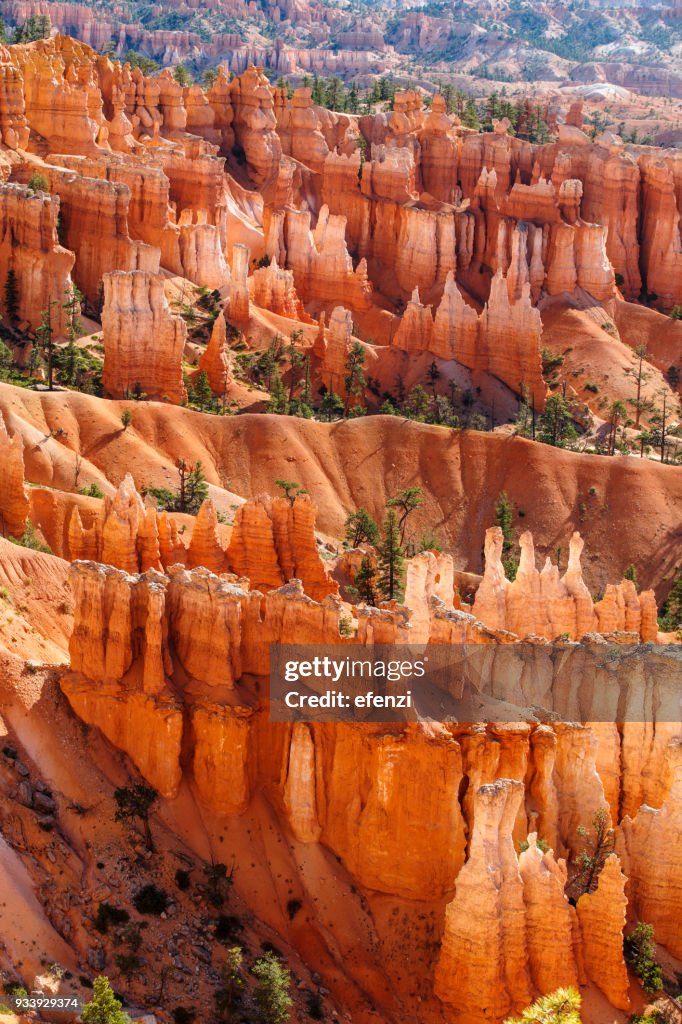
(627, 509)
(35, 604)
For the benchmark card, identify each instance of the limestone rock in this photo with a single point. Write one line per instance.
(215, 360)
(273, 540)
(143, 340)
(549, 927)
(14, 504)
(545, 604)
(482, 969)
(254, 125)
(205, 548)
(653, 864)
(239, 290)
(602, 919)
(30, 247)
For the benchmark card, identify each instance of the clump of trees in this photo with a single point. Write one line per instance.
(191, 493)
(381, 572)
(671, 613)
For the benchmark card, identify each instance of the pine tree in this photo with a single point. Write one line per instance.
(555, 425)
(631, 574)
(671, 612)
(136, 802)
(271, 993)
(355, 373)
(279, 402)
(291, 489)
(195, 489)
(71, 358)
(597, 846)
(366, 581)
(104, 1007)
(182, 75)
(202, 391)
(406, 501)
(318, 92)
(561, 1007)
(331, 406)
(504, 514)
(360, 528)
(228, 996)
(433, 375)
(12, 296)
(45, 339)
(390, 560)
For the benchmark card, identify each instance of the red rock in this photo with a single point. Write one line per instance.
(602, 920)
(143, 340)
(14, 504)
(215, 360)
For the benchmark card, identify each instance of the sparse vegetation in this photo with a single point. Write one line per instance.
(597, 846)
(291, 489)
(30, 539)
(136, 802)
(271, 993)
(561, 1007)
(640, 952)
(361, 528)
(104, 1007)
(150, 899)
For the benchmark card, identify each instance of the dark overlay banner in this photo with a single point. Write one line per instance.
(543, 682)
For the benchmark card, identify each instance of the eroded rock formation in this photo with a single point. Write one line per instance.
(143, 340)
(14, 504)
(543, 603)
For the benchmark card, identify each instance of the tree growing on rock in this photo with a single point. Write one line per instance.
(555, 425)
(640, 952)
(504, 514)
(560, 1007)
(390, 560)
(182, 75)
(671, 612)
(136, 802)
(598, 844)
(355, 373)
(228, 996)
(70, 358)
(406, 501)
(361, 528)
(291, 489)
(104, 1007)
(193, 487)
(366, 581)
(271, 994)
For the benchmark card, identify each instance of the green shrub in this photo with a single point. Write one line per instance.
(640, 952)
(271, 993)
(30, 539)
(92, 491)
(38, 183)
